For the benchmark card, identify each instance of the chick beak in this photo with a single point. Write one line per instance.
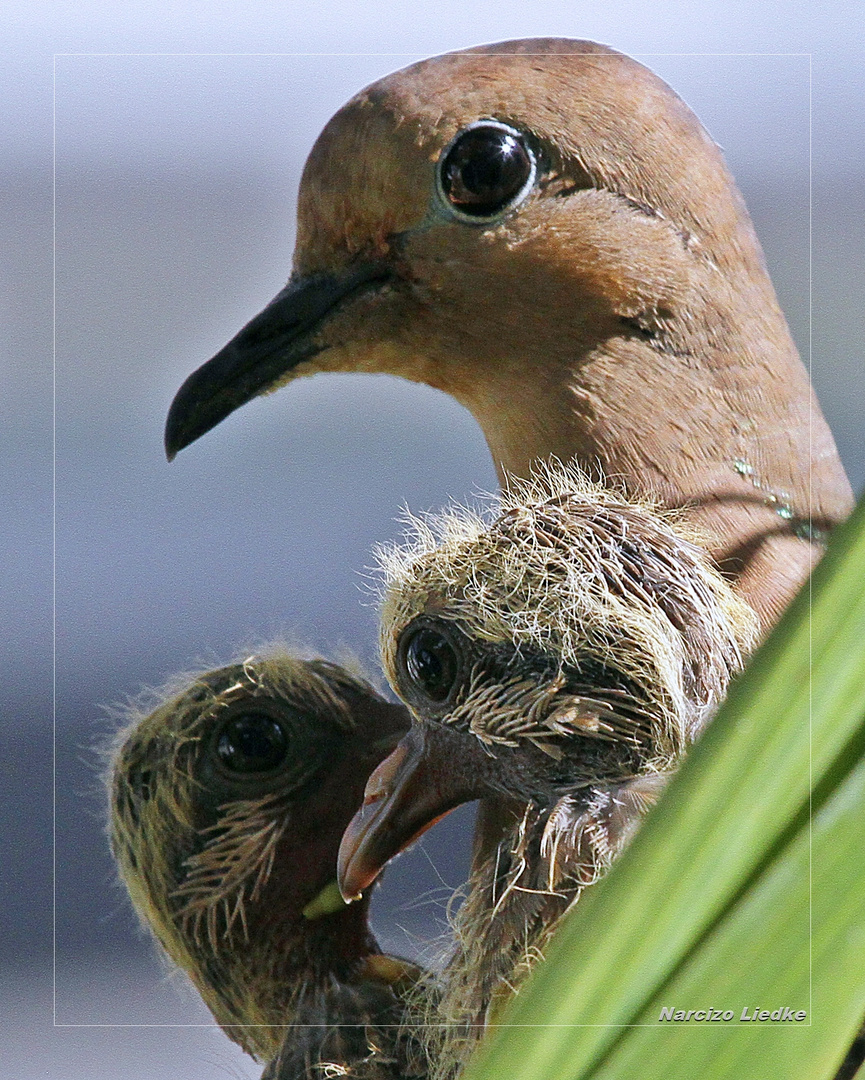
(277, 340)
(407, 794)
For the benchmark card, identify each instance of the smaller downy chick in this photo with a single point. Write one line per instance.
(227, 803)
(562, 659)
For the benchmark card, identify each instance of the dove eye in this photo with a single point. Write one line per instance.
(251, 742)
(486, 169)
(430, 663)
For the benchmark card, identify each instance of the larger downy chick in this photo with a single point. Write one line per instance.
(227, 803)
(561, 660)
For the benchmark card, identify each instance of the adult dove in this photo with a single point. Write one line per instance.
(544, 230)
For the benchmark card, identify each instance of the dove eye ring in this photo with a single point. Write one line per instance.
(250, 742)
(430, 663)
(485, 170)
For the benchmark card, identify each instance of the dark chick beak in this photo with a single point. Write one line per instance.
(406, 795)
(266, 349)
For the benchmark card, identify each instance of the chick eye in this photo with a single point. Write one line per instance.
(486, 169)
(251, 742)
(431, 663)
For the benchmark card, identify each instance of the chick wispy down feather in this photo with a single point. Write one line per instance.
(229, 791)
(615, 628)
(576, 570)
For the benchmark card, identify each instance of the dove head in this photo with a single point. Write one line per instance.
(514, 193)
(228, 801)
(577, 643)
(486, 221)
(533, 207)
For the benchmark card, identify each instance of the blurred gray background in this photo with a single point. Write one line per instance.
(176, 177)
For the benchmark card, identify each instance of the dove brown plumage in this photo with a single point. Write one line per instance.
(543, 229)
(561, 659)
(228, 801)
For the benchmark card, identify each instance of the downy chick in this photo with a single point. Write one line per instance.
(227, 803)
(560, 660)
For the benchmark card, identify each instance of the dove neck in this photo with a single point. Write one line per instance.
(756, 473)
